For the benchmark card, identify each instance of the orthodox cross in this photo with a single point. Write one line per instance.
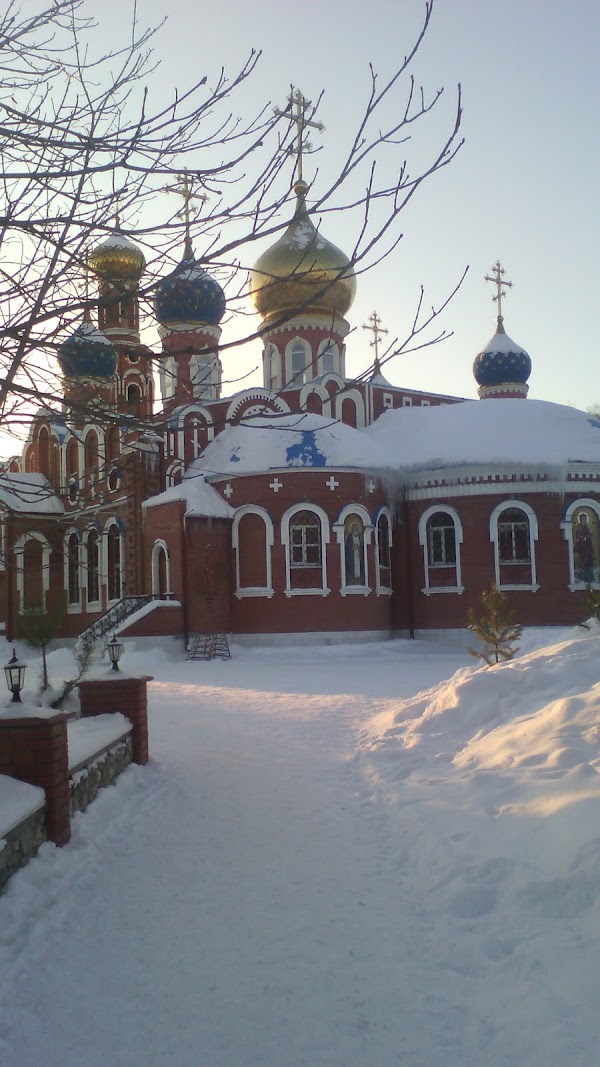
(377, 330)
(497, 278)
(185, 189)
(295, 111)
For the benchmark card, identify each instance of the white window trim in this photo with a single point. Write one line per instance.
(429, 589)
(338, 529)
(321, 392)
(76, 607)
(533, 586)
(19, 551)
(380, 589)
(351, 394)
(259, 590)
(95, 605)
(331, 345)
(323, 589)
(168, 377)
(272, 362)
(307, 372)
(567, 529)
(172, 470)
(158, 546)
(112, 522)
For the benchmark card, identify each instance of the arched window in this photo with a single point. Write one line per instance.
(161, 570)
(349, 414)
(91, 456)
(201, 376)
(440, 535)
(581, 528)
(513, 530)
(252, 538)
(383, 540)
(32, 557)
(93, 567)
(72, 459)
(134, 396)
(328, 358)
(44, 452)
(300, 363)
(72, 567)
(111, 445)
(113, 562)
(168, 377)
(272, 368)
(305, 534)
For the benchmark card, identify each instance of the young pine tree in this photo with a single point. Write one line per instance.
(38, 627)
(495, 627)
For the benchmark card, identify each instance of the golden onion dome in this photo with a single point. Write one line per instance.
(117, 259)
(302, 273)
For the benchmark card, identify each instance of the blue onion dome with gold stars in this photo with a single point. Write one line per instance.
(502, 362)
(189, 295)
(88, 353)
(302, 273)
(117, 260)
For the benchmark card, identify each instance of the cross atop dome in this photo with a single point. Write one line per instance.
(497, 278)
(296, 112)
(185, 189)
(377, 330)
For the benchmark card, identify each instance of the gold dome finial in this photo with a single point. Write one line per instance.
(117, 259)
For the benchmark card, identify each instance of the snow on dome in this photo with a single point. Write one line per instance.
(501, 361)
(199, 498)
(274, 442)
(497, 431)
(88, 353)
(189, 295)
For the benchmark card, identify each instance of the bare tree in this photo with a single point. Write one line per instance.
(83, 139)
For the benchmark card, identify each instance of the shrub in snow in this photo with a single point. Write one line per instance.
(495, 627)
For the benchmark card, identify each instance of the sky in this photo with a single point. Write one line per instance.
(349, 854)
(522, 190)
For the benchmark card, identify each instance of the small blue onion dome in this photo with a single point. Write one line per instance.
(189, 294)
(87, 354)
(502, 361)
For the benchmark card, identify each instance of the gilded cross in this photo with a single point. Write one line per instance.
(297, 107)
(497, 278)
(185, 189)
(377, 330)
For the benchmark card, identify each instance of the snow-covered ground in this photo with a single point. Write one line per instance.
(337, 857)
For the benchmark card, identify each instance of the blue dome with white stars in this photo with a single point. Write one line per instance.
(87, 354)
(502, 362)
(189, 295)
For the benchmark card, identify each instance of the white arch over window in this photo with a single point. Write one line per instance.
(270, 401)
(351, 394)
(587, 504)
(160, 549)
(433, 566)
(19, 551)
(253, 591)
(113, 567)
(168, 377)
(71, 561)
(272, 367)
(321, 391)
(286, 519)
(532, 536)
(341, 535)
(204, 375)
(328, 357)
(298, 362)
(383, 581)
(174, 473)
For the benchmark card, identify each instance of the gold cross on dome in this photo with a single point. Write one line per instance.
(297, 107)
(377, 330)
(185, 189)
(498, 280)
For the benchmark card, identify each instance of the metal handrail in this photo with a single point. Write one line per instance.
(115, 615)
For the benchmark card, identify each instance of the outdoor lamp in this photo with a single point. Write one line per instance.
(15, 677)
(115, 648)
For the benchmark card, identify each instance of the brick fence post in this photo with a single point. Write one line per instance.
(118, 692)
(36, 750)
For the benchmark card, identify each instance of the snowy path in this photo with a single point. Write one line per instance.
(238, 902)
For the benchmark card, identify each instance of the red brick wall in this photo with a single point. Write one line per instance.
(123, 694)
(36, 751)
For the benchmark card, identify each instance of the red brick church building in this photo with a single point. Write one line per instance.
(312, 505)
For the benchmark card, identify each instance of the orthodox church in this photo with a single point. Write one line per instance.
(311, 505)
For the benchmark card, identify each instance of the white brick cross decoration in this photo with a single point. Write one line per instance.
(275, 485)
(331, 483)
(371, 485)
(228, 490)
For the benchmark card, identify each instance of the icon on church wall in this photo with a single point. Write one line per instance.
(354, 536)
(586, 546)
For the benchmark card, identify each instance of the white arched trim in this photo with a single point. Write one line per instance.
(73, 608)
(307, 369)
(428, 566)
(383, 588)
(567, 529)
(322, 589)
(520, 505)
(272, 366)
(320, 390)
(271, 402)
(104, 558)
(158, 547)
(253, 591)
(173, 469)
(328, 345)
(351, 394)
(167, 376)
(19, 551)
(338, 529)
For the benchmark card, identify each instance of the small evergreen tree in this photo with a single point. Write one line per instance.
(38, 627)
(495, 627)
(591, 606)
(83, 656)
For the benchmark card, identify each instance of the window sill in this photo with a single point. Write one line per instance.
(443, 589)
(580, 587)
(516, 588)
(355, 590)
(383, 590)
(241, 594)
(74, 609)
(307, 592)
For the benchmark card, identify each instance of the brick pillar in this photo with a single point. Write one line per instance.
(37, 751)
(124, 694)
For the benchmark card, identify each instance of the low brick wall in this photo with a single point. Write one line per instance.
(99, 772)
(21, 844)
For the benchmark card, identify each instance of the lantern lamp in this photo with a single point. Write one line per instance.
(115, 650)
(15, 677)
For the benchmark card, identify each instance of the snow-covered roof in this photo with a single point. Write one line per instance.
(289, 440)
(487, 432)
(199, 498)
(29, 493)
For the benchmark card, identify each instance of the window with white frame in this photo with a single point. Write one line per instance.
(252, 537)
(73, 576)
(328, 357)
(161, 570)
(513, 531)
(383, 540)
(440, 535)
(201, 376)
(93, 567)
(300, 363)
(305, 534)
(113, 562)
(168, 377)
(272, 378)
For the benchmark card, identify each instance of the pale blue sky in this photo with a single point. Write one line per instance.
(523, 190)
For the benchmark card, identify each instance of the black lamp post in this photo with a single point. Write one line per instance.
(115, 649)
(15, 677)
